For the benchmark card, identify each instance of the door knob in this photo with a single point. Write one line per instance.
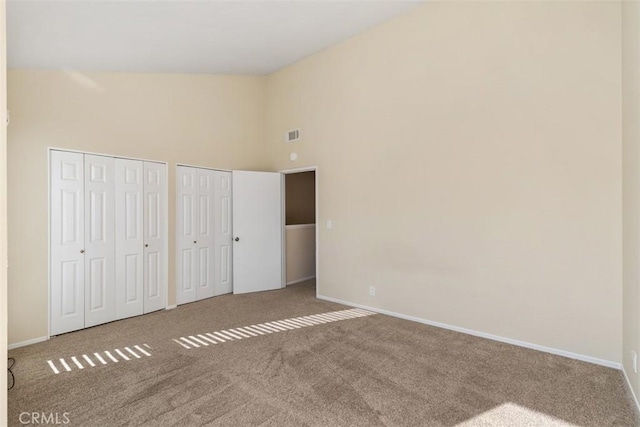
(237, 239)
(195, 241)
(81, 251)
(146, 245)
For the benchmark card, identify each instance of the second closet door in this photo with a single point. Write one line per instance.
(223, 282)
(205, 235)
(154, 207)
(195, 234)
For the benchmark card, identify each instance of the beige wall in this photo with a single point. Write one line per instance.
(213, 121)
(3, 216)
(301, 252)
(631, 184)
(300, 198)
(470, 160)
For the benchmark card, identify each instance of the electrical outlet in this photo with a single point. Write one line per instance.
(634, 361)
(372, 291)
(329, 224)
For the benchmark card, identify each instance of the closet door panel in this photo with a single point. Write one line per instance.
(186, 235)
(155, 182)
(67, 242)
(223, 282)
(205, 234)
(99, 196)
(129, 238)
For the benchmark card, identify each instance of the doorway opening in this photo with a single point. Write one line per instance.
(300, 208)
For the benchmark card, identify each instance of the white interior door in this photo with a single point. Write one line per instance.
(100, 239)
(187, 193)
(67, 242)
(155, 184)
(223, 237)
(257, 227)
(129, 238)
(205, 234)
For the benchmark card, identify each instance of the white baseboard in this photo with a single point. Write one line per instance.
(171, 307)
(558, 352)
(27, 342)
(304, 279)
(635, 398)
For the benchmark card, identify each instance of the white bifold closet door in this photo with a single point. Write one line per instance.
(203, 243)
(108, 239)
(129, 238)
(154, 280)
(195, 239)
(140, 245)
(186, 262)
(67, 241)
(99, 236)
(223, 267)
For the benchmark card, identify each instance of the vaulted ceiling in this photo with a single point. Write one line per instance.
(216, 37)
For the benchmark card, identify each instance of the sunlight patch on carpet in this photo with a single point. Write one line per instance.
(99, 358)
(211, 338)
(511, 414)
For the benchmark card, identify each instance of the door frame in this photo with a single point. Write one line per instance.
(165, 226)
(177, 225)
(284, 223)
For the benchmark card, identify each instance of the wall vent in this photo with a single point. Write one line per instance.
(293, 136)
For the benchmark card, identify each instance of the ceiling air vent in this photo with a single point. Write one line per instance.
(293, 135)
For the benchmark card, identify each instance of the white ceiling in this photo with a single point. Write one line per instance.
(179, 36)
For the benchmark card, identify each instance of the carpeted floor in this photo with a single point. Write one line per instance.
(368, 371)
